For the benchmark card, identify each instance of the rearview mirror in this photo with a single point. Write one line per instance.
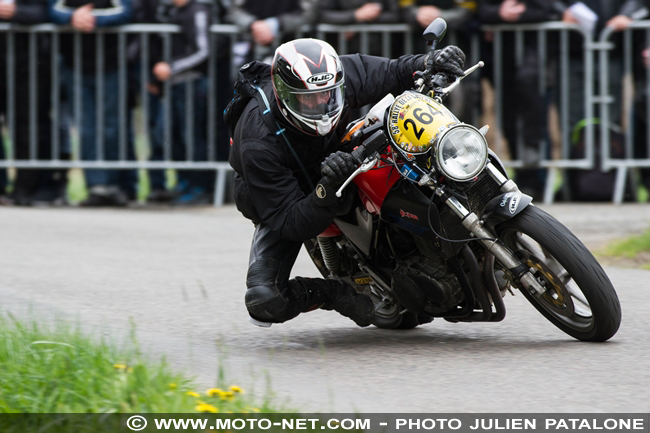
(435, 31)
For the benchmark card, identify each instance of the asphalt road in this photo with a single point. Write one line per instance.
(179, 276)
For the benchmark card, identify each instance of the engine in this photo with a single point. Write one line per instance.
(423, 285)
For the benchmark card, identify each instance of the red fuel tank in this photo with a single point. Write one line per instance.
(374, 185)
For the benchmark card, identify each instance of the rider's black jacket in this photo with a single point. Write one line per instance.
(269, 185)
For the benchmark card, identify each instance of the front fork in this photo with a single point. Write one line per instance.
(502, 253)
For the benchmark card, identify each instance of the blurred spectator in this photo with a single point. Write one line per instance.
(223, 82)
(420, 13)
(616, 14)
(581, 185)
(146, 12)
(31, 186)
(6, 11)
(186, 72)
(343, 12)
(266, 24)
(105, 187)
(459, 15)
(641, 119)
(523, 108)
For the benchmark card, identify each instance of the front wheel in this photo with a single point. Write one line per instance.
(579, 298)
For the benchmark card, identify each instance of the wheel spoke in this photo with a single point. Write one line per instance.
(556, 267)
(580, 303)
(530, 246)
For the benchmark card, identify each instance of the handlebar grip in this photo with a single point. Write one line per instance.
(440, 80)
(359, 153)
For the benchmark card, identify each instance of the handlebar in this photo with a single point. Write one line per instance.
(439, 83)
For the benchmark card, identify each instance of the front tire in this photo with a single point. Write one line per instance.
(580, 298)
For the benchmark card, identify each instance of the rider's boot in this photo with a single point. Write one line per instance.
(334, 295)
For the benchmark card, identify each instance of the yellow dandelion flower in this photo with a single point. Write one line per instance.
(255, 409)
(204, 407)
(228, 395)
(120, 366)
(193, 394)
(236, 389)
(173, 386)
(214, 392)
(129, 369)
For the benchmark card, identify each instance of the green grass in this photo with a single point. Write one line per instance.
(636, 250)
(631, 247)
(59, 369)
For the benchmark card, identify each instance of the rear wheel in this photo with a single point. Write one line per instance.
(393, 316)
(407, 320)
(579, 298)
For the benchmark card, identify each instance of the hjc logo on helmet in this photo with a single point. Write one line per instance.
(320, 78)
(305, 66)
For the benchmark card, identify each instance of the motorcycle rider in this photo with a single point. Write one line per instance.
(311, 93)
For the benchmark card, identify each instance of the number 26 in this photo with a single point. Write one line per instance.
(419, 133)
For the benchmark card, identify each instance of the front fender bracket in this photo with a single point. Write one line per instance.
(503, 207)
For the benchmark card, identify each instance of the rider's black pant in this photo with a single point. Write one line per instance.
(271, 297)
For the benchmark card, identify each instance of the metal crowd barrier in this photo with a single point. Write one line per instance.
(605, 47)
(542, 31)
(364, 31)
(145, 31)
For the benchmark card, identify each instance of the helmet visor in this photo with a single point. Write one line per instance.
(314, 104)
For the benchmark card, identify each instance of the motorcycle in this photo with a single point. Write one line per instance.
(436, 229)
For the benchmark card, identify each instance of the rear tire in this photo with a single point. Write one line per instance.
(580, 298)
(404, 321)
(391, 319)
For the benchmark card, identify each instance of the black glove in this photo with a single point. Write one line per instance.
(449, 59)
(335, 170)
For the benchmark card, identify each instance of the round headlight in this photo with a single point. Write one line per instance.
(462, 153)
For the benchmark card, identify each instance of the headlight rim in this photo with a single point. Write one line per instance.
(438, 149)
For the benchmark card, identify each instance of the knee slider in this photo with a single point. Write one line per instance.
(266, 304)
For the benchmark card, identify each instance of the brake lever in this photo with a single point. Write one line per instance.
(369, 163)
(455, 84)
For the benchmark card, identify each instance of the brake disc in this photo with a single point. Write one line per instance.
(556, 298)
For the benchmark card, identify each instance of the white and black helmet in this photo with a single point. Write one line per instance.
(308, 81)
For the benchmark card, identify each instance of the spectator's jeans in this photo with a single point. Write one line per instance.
(88, 130)
(179, 146)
